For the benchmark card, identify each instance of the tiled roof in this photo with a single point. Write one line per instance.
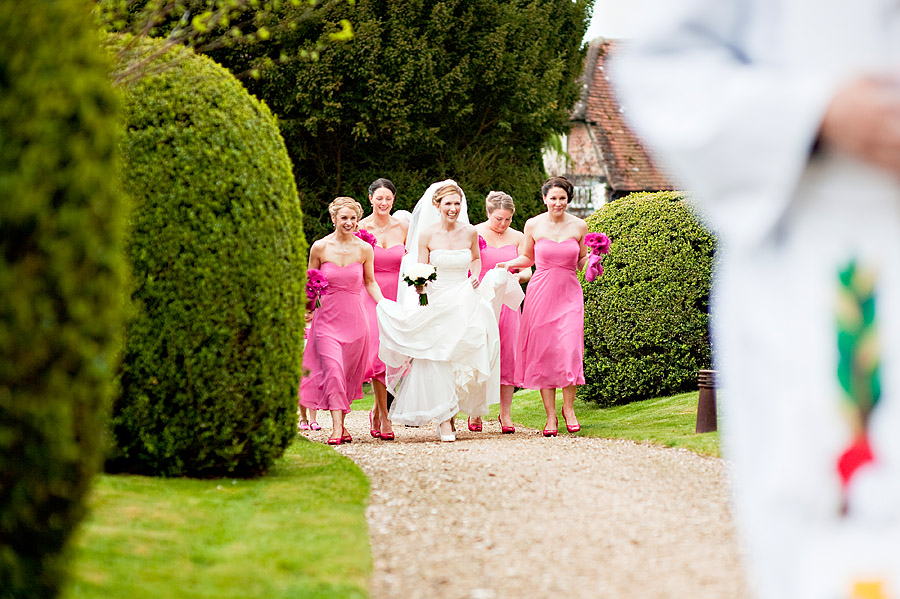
(628, 165)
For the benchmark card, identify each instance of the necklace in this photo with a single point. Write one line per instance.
(558, 226)
(377, 230)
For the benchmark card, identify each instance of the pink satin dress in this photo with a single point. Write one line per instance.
(337, 348)
(509, 319)
(550, 350)
(387, 275)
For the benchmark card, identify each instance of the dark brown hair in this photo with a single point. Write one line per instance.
(560, 182)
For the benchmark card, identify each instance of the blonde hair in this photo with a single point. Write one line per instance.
(447, 190)
(499, 200)
(344, 202)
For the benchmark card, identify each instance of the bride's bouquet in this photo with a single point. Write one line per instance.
(417, 275)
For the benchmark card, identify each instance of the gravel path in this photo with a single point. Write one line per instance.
(495, 516)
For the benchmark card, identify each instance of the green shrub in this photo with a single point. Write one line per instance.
(645, 319)
(213, 349)
(62, 276)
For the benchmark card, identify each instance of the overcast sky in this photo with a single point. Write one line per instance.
(616, 18)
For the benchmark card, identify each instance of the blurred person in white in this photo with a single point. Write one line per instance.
(782, 118)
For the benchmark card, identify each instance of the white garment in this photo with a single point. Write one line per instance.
(424, 215)
(444, 357)
(730, 93)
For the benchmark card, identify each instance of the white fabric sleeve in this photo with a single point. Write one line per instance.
(736, 133)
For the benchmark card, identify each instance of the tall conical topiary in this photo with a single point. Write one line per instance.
(646, 319)
(213, 347)
(62, 276)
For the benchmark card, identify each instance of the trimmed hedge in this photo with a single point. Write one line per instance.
(212, 351)
(646, 319)
(62, 275)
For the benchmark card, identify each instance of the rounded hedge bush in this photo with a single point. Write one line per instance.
(646, 319)
(213, 349)
(62, 275)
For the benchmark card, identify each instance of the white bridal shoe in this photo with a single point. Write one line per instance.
(445, 438)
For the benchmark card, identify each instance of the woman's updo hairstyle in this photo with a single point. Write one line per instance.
(499, 200)
(344, 202)
(379, 183)
(560, 182)
(447, 190)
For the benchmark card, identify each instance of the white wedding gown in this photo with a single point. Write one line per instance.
(444, 357)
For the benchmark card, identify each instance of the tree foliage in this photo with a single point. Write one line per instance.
(469, 89)
(63, 277)
(201, 24)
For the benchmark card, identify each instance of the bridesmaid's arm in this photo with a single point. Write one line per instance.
(315, 256)
(524, 275)
(369, 274)
(583, 249)
(526, 252)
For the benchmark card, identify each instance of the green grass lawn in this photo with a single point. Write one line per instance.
(667, 421)
(300, 531)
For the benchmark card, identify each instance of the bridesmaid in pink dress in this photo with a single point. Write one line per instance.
(550, 350)
(390, 233)
(503, 243)
(337, 349)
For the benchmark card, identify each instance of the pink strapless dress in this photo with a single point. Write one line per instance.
(337, 348)
(550, 351)
(387, 274)
(509, 319)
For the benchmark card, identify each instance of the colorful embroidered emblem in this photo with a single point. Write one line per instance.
(859, 365)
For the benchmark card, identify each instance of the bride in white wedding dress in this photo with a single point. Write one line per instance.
(444, 357)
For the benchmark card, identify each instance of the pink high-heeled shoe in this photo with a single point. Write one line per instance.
(304, 425)
(475, 428)
(372, 430)
(506, 430)
(572, 429)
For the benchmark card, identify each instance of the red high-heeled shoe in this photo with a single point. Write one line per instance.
(386, 436)
(346, 438)
(549, 432)
(334, 441)
(506, 430)
(475, 428)
(572, 429)
(372, 430)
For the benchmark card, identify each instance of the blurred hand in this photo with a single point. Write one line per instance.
(863, 120)
(474, 280)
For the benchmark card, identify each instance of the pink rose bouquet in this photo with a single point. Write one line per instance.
(481, 243)
(367, 237)
(599, 244)
(316, 284)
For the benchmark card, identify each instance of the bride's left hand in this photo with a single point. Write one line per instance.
(474, 280)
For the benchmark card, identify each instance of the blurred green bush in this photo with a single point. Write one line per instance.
(63, 279)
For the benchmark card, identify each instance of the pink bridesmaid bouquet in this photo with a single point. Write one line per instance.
(481, 243)
(367, 237)
(316, 284)
(417, 275)
(599, 244)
